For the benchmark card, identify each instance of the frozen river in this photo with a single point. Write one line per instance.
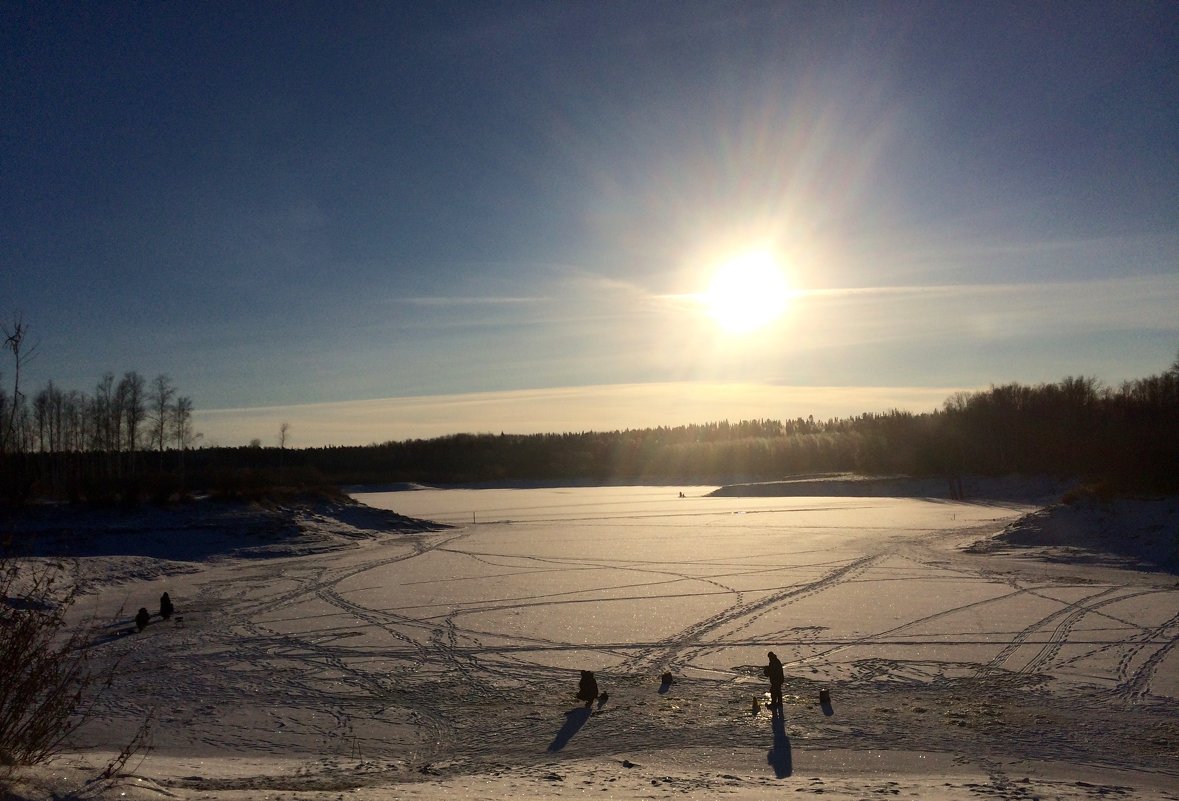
(636, 580)
(459, 648)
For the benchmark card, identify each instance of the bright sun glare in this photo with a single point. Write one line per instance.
(747, 293)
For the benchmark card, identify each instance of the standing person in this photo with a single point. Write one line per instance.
(777, 677)
(587, 689)
(166, 608)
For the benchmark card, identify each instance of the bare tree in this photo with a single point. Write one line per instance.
(42, 420)
(14, 340)
(182, 433)
(77, 422)
(5, 410)
(49, 418)
(104, 415)
(160, 398)
(132, 394)
(283, 429)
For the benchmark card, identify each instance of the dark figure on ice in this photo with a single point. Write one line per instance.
(587, 689)
(166, 608)
(776, 676)
(141, 618)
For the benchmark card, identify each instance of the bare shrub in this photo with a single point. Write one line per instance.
(138, 745)
(48, 683)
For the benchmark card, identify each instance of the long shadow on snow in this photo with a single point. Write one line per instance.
(779, 755)
(574, 720)
(191, 532)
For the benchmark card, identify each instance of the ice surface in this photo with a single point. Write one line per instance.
(375, 654)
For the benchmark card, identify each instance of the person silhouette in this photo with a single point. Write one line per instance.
(142, 617)
(166, 608)
(587, 688)
(777, 677)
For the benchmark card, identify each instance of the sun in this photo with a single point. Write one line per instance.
(747, 293)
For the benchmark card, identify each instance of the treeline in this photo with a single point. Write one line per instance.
(114, 442)
(1126, 438)
(68, 444)
(131, 440)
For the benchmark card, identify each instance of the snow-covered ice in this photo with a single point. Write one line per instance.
(342, 650)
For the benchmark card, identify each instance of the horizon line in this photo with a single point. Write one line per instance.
(602, 408)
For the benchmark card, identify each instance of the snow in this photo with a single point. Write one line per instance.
(991, 648)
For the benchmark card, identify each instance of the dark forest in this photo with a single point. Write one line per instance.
(132, 441)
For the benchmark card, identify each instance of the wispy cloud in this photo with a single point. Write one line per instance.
(471, 301)
(1133, 302)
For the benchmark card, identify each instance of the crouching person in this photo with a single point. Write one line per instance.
(587, 688)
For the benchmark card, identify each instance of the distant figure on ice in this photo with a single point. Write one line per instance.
(141, 618)
(166, 608)
(587, 689)
(776, 676)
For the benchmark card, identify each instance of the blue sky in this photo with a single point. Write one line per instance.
(422, 218)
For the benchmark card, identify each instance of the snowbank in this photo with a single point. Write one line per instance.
(1140, 534)
(148, 542)
(1026, 489)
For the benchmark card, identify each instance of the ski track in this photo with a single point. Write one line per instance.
(469, 701)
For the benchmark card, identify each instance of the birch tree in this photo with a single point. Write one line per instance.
(133, 397)
(161, 410)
